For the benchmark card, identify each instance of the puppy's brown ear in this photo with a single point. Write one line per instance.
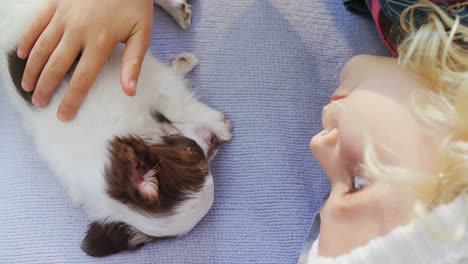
(133, 172)
(107, 239)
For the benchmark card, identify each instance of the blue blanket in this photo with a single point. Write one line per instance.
(270, 65)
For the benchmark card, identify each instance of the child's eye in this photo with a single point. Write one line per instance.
(359, 183)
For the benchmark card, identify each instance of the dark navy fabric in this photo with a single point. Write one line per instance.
(358, 7)
(393, 8)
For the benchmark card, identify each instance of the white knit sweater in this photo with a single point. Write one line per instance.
(413, 243)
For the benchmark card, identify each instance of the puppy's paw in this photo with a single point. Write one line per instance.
(222, 127)
(184, 63)
(178, 9)
(181, 12)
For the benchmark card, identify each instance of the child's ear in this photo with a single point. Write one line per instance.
(107, 239)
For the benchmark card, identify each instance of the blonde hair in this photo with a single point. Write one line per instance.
(435, 51)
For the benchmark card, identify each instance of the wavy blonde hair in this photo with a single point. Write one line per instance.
(435, 51)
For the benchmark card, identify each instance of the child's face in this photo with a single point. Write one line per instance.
(374, 96)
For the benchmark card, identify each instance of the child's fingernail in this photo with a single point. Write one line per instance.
(132, 84)
(26, 86)
(36, 102)
(62, 117)
(20, 54)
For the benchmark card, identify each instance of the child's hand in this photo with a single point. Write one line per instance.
(65, 28)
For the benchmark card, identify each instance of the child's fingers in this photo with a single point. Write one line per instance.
(83, 77)
(39, 55)
(35, 29)
(57, 66)
(135, 50)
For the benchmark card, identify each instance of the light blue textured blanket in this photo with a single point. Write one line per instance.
(270, 65)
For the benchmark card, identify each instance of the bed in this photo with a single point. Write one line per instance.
(270, 66)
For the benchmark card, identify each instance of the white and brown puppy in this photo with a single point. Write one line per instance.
(139, 165)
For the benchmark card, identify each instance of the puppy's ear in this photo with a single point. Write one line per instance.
(107, 239)
(148, 184)
(133, 172)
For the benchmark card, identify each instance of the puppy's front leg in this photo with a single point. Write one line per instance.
(179, 10)
(180, 106)
(183, 63)
(189, 110)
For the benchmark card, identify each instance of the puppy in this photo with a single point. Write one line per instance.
(139, 165)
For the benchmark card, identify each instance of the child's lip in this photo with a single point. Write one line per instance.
(337, 97)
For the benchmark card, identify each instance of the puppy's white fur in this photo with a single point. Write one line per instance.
(77, 152)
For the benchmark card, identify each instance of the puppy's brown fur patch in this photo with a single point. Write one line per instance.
(179, 167)
(16, 68)
(104, 239)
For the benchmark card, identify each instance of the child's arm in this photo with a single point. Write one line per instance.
(63, 29)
